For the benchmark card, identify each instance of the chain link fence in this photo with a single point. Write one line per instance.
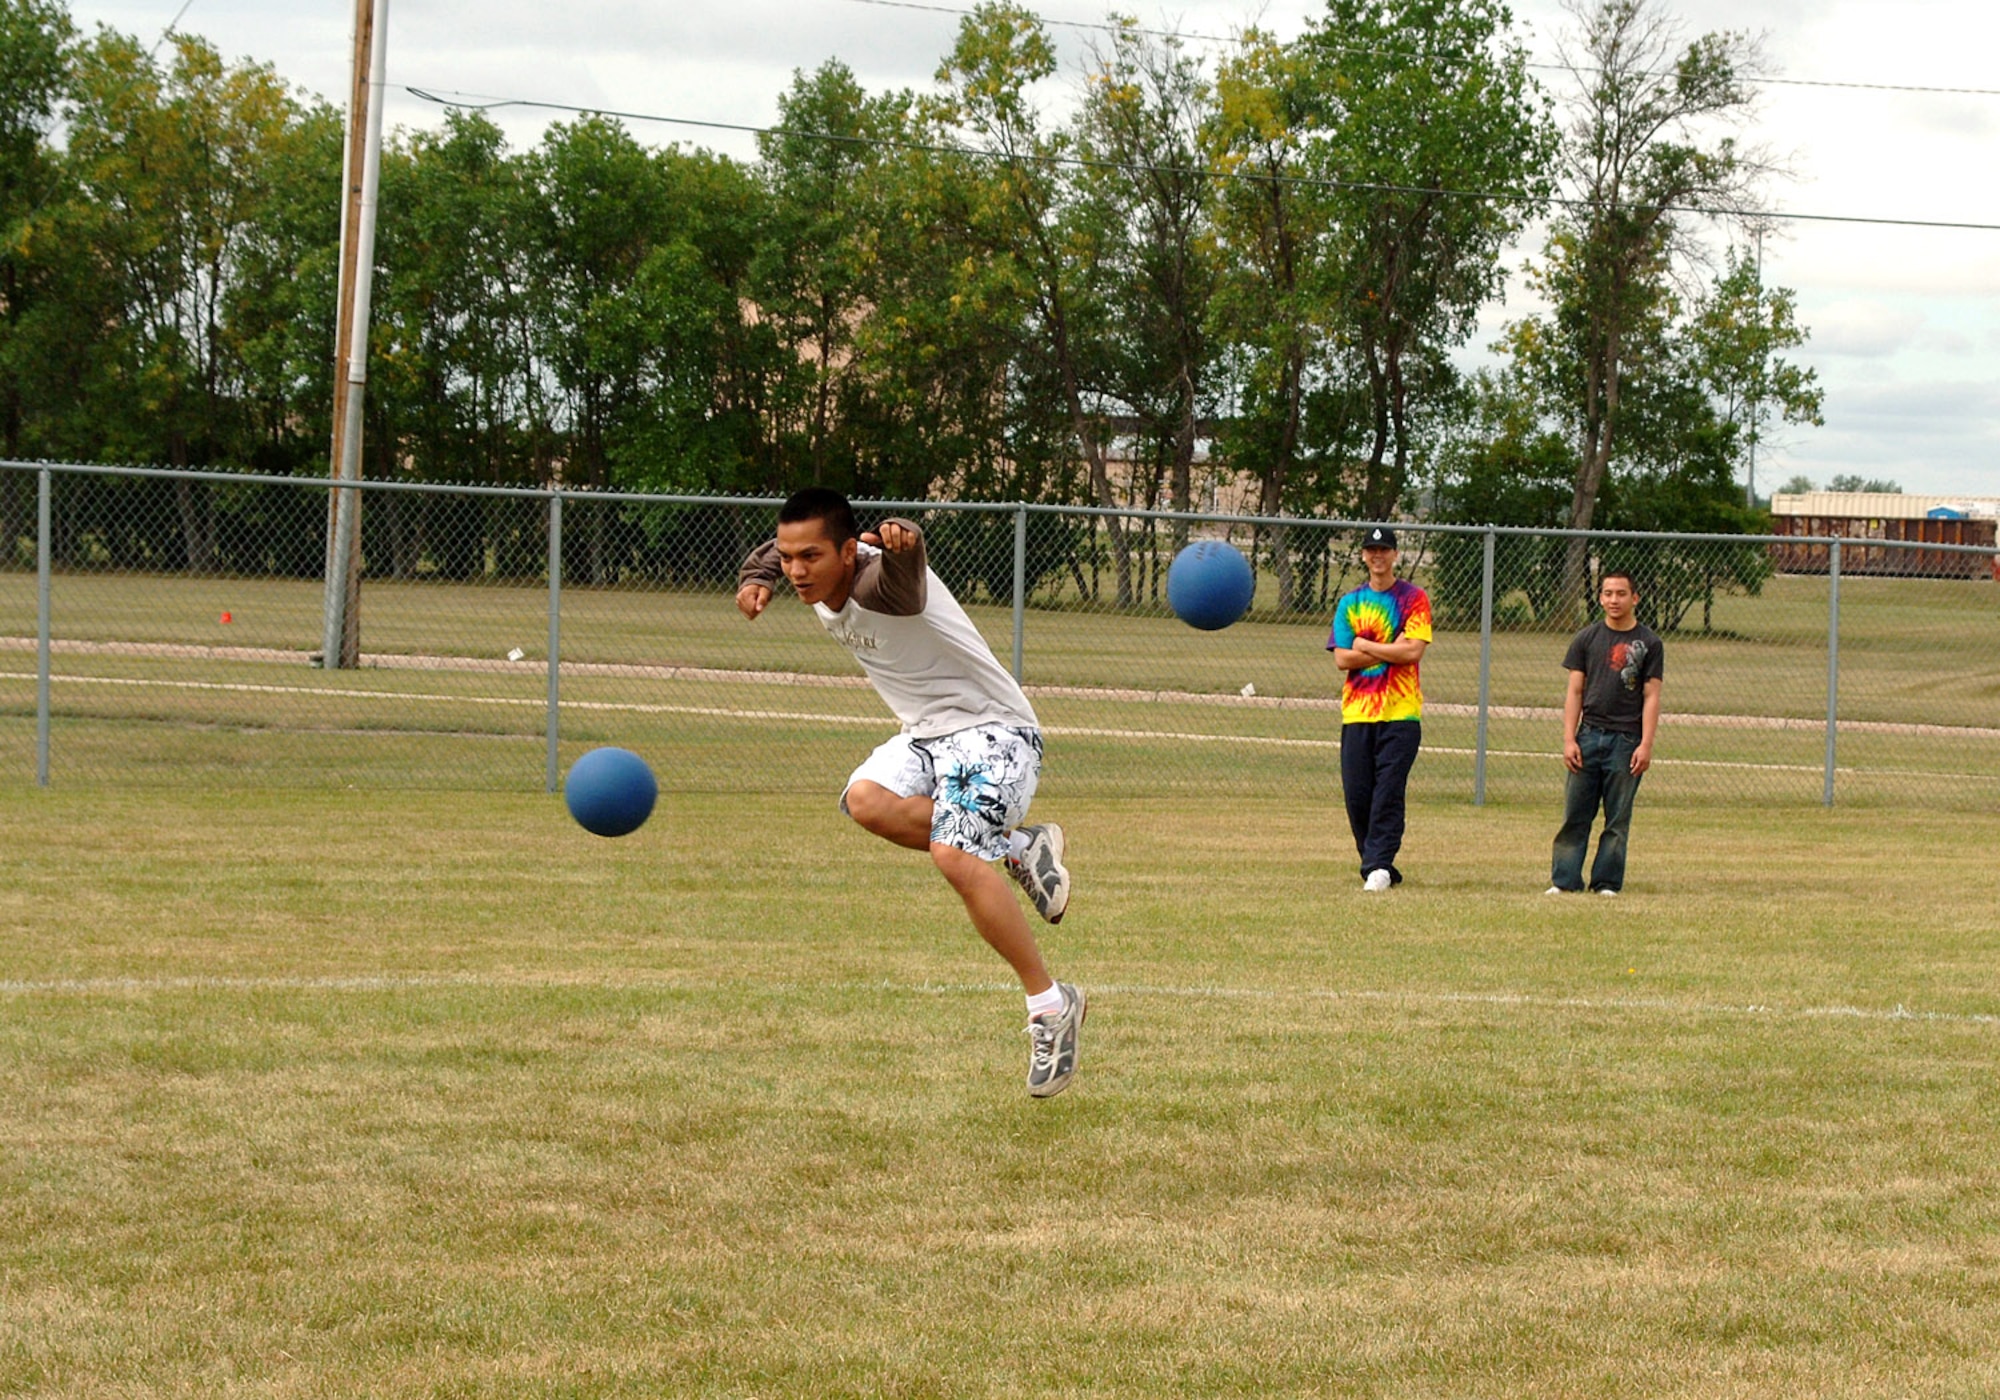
(167, 626)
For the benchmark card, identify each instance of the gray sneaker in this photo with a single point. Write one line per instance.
(1052, 1049)
(1041, 872)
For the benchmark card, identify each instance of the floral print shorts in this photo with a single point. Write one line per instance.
(979, 780)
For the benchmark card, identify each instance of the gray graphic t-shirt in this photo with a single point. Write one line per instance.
(1616, 667)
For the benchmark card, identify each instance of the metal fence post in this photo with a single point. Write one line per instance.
(1832, 660)
(1020, 583)
(43, 550)
(1485, 670)
(555, 635)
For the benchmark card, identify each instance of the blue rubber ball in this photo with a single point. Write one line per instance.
(610, 792)
(1209, 585)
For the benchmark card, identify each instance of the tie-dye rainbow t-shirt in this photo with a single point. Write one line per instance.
(1381, 692)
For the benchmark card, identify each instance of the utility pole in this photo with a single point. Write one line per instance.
(1756, 384)
(361, 180)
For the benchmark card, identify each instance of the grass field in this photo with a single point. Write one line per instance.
(396, 1093)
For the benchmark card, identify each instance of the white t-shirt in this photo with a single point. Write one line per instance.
(917, 647)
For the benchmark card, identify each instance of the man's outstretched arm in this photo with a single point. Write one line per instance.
(756, 580)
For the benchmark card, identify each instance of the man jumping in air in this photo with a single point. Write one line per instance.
(957, 780)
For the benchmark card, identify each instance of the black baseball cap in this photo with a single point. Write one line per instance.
(1381, 537)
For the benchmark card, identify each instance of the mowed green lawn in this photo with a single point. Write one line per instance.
(427, 1093)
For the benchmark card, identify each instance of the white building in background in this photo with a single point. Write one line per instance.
(1884, 505)
(1862, 516)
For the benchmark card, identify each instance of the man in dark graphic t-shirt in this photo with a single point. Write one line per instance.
(1611, 712)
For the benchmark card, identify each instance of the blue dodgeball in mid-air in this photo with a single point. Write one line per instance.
(610, 792)
(1209, 585)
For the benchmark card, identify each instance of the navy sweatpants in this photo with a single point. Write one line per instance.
(1375, 764)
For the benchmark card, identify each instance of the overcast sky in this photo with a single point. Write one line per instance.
(1905, 321)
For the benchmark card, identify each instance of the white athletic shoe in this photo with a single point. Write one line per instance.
(1052, 1044)
(1609, 894)
(1040, 871)
(1377, 881)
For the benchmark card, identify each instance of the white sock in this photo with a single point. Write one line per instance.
(1017, 844)
(1051, 1000)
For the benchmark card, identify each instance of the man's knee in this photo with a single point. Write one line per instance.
(871, 805)
(962, 870)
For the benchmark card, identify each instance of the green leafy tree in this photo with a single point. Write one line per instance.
(960, 398)
(638, 262)
(1501, 461)
(1139, 131)
(280, 305)
(1850, 481)
(1639, 154)
(1691, 416)
(1271, 313)
(1739, 332)
(813, 276)
(174, 170)
(1021, 217)
(34, 81)
(1699, 379)
(598, 209)
(1435, 146)
(1678, 474)
(453, 393)
(707, 419)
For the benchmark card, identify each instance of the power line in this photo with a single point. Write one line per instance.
(1412, 54)
(178, 15)
(488, 102)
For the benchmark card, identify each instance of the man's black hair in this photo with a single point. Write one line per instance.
(824, 504)
(1625, 574)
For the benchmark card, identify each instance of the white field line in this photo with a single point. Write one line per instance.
(529, 703)
(877, 722)
(619, 670)
(1527, 1001)
(873, 722)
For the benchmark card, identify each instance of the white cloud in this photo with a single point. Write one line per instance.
(1871, 329)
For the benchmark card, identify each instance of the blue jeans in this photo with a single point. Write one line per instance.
(1607, 778)
(1375, 761)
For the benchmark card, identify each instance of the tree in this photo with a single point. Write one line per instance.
(709, 364)
(960, 397)
(280, 306)
(598, 207)
(1274, 230)
(1798, 486)
(1699, 377)
(1637, 157)
(453, 393)
(1020, 215)
(174, 175)
(1738, 331)
(1435, 146)
(1690, 424)
(1502, 461)
(1849, 481)
(811, 273)
(1140, 132)
(34, 80)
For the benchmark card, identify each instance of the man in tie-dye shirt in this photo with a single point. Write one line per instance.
(1380, 631)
